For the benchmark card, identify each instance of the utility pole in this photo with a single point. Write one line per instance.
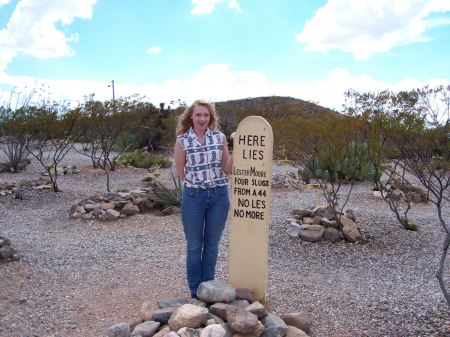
(114, 95)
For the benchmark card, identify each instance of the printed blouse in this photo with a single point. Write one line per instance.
(203, 168)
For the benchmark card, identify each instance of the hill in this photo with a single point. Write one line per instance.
(269, 107)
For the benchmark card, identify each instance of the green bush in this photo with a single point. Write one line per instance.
(143, 159)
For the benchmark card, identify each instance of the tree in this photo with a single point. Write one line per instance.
(380, 126)
(415, 125)
(12, 131)
(326, 146)
(52, 131)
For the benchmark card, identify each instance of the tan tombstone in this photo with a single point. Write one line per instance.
(251, 182)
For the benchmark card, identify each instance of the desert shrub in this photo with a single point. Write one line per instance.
(355, 166)
(167, 198)
(160, 160)
(143, 159)
(126, 141)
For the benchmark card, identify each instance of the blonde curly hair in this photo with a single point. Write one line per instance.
(185, 121)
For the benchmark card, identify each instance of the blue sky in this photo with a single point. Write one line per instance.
(222, 49)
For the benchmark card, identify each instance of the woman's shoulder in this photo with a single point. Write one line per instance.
(183, 135)
(216, 132)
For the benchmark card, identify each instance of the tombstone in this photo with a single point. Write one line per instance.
(251, 182)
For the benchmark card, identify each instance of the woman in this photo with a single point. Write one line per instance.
(202, 162)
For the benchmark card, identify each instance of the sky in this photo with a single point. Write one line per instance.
(170, 50)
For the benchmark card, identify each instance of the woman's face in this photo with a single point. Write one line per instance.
(200, 117)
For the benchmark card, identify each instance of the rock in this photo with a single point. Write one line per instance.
(146, 205)
(76, 215)
(4, 242)
(241, 321)
(312, 233)
(146, 329)
(273, 321)
(258, 309)
(307, 220)
(130, 209)
(213, 330)
(91, 207)
(98, 214)
(138, 200)
(316, 220)
(171, 334)
(295, 332)
(298, 320)
(294, 230)
(244, 294)
(135, 322)
(188, 332)
(219, 309)
(216, 319)
(6, 252)
(196, 301)
(347, 221)
(119, 330)
(171, 302)
(80, 209)
(188, 315)
(162, 332)
(323, 212)
(242, 304)
(87, 216)
(162, 315)
(107, 205)
(351, 232)
(216, 291)
(111, 214)
(302, 212)
(272, 332)
(328, 223)
(332, 234)
(349, 214)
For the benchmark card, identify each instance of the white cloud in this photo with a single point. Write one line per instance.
(154, 50)
(4, 2)
(218, 82)
(31, 29)
(365, 27)
(207, 6)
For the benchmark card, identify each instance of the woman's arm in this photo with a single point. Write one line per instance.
(180, 160)
(227, 160)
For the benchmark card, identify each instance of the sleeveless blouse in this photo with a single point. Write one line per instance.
(203, 168)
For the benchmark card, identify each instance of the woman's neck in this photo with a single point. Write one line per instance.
(200, 133)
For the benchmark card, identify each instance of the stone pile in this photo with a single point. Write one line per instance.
(403, 191)
(6, 167)
(218, 311)
(112, 206)
(17, 187)
(319, 223)
(7, 253)
(288, 180)
(64, 170)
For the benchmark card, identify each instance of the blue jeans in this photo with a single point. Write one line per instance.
(203, 213)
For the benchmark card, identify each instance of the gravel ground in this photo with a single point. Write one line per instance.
(78, 278)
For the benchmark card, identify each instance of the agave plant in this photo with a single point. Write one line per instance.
(169, 198)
